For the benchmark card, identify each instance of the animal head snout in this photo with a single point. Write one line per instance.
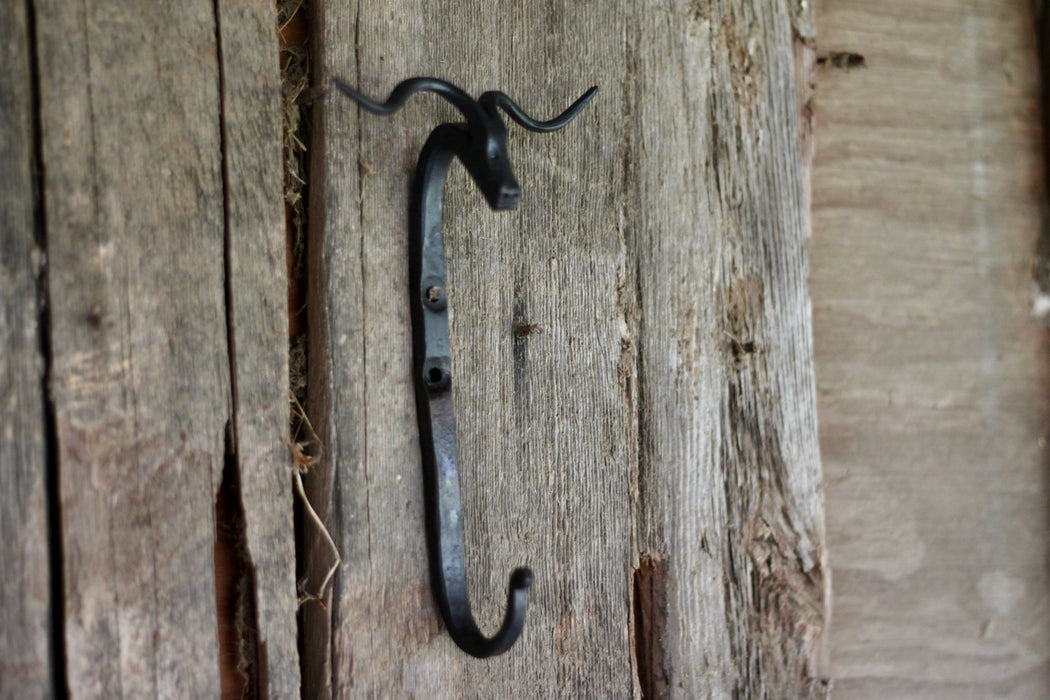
(506, 197)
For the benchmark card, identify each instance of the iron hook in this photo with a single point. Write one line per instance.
(481, 145)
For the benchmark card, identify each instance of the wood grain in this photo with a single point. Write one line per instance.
(928, 187)
(258, 328)
(133, 190)
(652, 454)
(728, 463)
(24, 571)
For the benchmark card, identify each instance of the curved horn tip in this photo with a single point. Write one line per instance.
(586, 97)
(339, 83)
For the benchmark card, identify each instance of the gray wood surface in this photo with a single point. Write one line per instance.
(652, 454)
(165, 234)
(728, 464)
(258, 328)
(931, 366)
(133, 195)
(542, 419)
(24, 570)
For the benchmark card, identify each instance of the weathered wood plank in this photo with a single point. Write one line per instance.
(928, 187)
(258, 317)
(24, 571)
(140, 373)
(686, 170)
(535, 491)
(730, 524)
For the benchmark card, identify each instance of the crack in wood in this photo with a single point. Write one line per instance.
(650, 622)
(242, 659)
(236, 618)
(38, 259)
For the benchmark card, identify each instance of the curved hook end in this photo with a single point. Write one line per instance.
(521, 579)
(513, 619)
(469, 638)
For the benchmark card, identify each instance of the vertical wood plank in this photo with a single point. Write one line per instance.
(543, 420)
(24, 571)
(672, 388)
(258, 317)
(730, 510)
(929, 189)
(140, 374)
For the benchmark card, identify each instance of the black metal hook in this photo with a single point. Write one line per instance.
(481, 145)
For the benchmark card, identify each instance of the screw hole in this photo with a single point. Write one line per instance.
(434, 375)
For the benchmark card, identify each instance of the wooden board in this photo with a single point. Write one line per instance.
(652, 454)
(144, 143)
(140, 374)
(25, 668)
(165, 236)
(257, 309)
(534, 493)
(728, 466)
(931, 367)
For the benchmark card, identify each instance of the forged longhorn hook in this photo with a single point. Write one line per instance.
(481, 145)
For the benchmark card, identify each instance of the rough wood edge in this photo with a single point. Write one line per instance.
(257, 318)
(26, 663)
(139, 365)
(752, 556)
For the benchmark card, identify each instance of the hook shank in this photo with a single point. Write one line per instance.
(437, 426)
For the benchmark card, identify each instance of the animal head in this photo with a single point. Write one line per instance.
(487, 160)
(483, 151)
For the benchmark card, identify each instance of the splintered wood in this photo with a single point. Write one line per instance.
(160, 212)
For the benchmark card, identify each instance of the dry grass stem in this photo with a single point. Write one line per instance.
(303, 462)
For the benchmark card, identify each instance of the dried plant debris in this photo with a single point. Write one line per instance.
(295, 79)
(297, 376)
(306, 451)
(305, 445)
